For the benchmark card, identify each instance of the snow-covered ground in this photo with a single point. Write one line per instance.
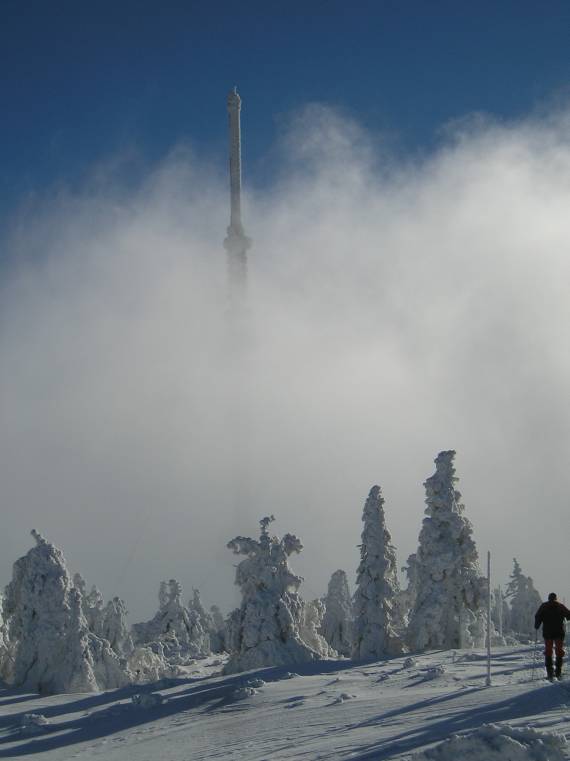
(326, 710)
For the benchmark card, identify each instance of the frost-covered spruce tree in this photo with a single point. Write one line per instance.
(218, 634)
(407, 597)
(114, 627)
(92, 603)
(52, 648)
(211, 621)
(265, 630)
(311, 622)
(174, 626)
(338, 620)
(204, 617)
(525, 601)
(107, 621)
(376, 610)
(500, 612)
(450, 593)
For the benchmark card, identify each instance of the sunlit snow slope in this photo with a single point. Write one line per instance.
(332, 710)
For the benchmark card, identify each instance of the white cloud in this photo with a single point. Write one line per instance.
(396, 310)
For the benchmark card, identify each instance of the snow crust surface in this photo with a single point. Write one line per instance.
(333, 710)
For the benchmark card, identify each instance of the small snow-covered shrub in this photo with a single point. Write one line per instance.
(255, 683)
(241, 693)
(33, 724)
(434, 673)
(147, 700)
(493, 742)
(342, 698)
(148, 664)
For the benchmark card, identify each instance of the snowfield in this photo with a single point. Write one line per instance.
(397, 708)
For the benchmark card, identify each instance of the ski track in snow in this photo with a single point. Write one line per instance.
(328, 710)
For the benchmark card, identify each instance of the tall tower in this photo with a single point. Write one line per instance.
(236, 242)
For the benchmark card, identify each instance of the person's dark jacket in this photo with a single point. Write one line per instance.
(551, 615)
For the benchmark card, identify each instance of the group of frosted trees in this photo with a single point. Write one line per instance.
(56, 636)
(444, 605)
(513, 610)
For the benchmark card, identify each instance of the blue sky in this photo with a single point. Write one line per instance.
(85, 81)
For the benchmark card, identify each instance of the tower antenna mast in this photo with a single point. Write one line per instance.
(236, 242)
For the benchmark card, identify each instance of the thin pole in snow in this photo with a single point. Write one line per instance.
(488, 680)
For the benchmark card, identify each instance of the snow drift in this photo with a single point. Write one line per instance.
(493, 742)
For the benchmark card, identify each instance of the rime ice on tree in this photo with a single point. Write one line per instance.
(450, 593)
(210, 621)
(114, 627)
(218, 634)
(311, 622)
(52, 648)
(338, 619)
(92, 603)
(376, 607)
(175, 630)
(266, 629)
(525, 601)
(107, 621)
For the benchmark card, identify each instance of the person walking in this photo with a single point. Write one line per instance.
(551, 615)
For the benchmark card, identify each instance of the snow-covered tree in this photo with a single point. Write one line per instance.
(204, 616)
(51, 646)
(525, 601)
(407, 598)
(218, 634)
(338, 620)
(176, 627)
(107, 621)
(211, 621)
(311, 622)
(376, 610)
(450, 592)
(92, 603)
(114, 627)
(266, 629)
(500, 611)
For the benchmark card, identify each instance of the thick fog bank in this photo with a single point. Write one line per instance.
(394, 311)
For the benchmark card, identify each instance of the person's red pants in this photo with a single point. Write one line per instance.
(556, 645)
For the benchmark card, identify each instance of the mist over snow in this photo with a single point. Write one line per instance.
(397, 308)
